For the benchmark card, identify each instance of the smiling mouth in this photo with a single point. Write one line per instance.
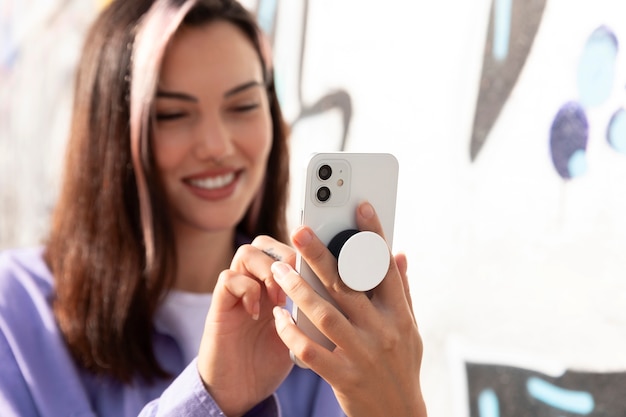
(214, 183)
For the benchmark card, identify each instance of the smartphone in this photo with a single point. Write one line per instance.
(335, 184)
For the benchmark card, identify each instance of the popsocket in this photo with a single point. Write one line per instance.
(362, 258)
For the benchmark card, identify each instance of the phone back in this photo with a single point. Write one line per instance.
(352, 178)
(336, 183)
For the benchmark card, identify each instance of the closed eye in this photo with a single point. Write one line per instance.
(164, 117)
(244, 108)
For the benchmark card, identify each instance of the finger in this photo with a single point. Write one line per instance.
(277, 251)
(324, 265)
(391, 289)
(325, 316)
(402, 263)
(233, 288)
(253, 262)
(367, 219)
(313, 355)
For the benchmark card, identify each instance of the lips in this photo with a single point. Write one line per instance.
(213, 186)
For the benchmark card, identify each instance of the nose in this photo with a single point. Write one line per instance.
(214, 139)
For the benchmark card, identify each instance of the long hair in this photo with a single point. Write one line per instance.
(111, 247)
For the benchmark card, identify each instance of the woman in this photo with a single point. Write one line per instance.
(177, 158)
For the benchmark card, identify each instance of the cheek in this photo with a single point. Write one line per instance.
(260, 143)
(167, 156)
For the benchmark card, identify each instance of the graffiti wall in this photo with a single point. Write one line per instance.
(508, 119)
(39, 44)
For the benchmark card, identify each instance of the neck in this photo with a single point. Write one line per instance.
(202, 256)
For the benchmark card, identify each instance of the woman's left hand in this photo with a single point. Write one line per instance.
(374, 369)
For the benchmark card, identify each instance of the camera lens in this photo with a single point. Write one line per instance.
(323, 194)
(324, 172)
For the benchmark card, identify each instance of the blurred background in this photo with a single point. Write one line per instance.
(508, 120)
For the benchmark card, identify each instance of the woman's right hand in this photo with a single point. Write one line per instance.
(242, 361)
(375, 366)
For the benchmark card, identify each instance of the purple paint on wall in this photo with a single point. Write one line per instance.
(568, 140)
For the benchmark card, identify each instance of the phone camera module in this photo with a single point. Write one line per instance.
(324, 172)
(323, 194)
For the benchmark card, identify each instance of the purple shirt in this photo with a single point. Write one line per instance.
(39, 378)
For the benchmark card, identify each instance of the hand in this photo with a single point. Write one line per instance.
(242, 360)
(374, 369)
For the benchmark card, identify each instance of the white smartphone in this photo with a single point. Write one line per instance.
(336, 183)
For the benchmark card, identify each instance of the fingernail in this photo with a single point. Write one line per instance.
(281, 314)
(302, 237)
(367, 211)
(280, 269)
(256, 311)
(276, 312)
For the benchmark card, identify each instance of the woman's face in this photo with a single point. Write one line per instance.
(212, 126)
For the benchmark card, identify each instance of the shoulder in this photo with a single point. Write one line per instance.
(26, 260)
(24, 267)
(25, 287)
(32, 351)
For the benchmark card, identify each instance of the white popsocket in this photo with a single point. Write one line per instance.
(362, 258)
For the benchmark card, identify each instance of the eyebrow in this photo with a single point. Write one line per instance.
(243, 87)
(176, 95)
(188, 97)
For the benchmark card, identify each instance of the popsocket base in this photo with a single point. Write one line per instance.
(362, 258)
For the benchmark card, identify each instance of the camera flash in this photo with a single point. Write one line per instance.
(339, 182)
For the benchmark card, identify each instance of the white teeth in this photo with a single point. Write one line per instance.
(213, 183)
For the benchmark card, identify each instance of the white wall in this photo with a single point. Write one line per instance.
(509, 263)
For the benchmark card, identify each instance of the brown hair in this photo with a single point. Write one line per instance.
(110, 246)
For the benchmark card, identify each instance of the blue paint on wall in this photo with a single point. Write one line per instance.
(596, 67)
(523, 392)
(595, 83)
(616, 132)
(513, 26)
(577, 164)
(266, 13)
(502, 28)
(578, 402)
(488, 405)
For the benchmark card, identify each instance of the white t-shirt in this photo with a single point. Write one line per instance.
(182, 315)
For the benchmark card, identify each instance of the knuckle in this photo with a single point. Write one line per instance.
(307, 352)
(325, 318)
(225, 276)
(317, 254)
(260, 240)
(390, 340)
(296, 287)
(352, 378)
(339, 287)
(265, 276)
(408, 324)
(243, 251)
